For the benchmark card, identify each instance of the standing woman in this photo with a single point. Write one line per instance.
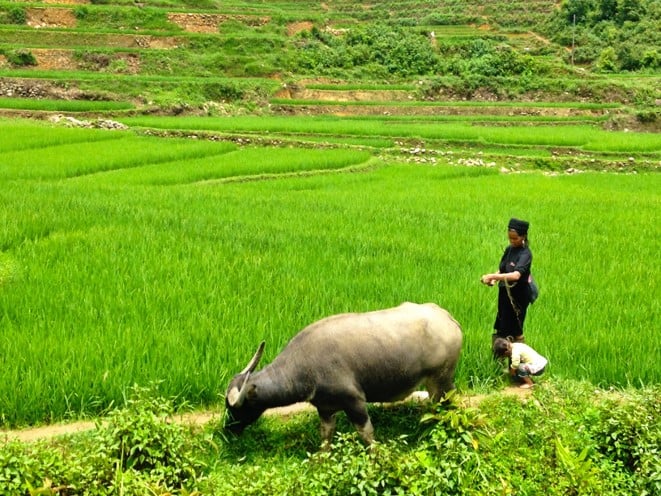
(513, 283)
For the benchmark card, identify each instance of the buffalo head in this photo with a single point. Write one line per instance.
(239, 399)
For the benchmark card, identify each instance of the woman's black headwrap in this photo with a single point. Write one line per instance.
(520, 226)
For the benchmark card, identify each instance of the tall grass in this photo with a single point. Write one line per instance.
(108, 283)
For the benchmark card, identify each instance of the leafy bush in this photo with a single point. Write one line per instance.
(648, 116)
(439, 457)
(396, 51)
(592, 26)
(628, 430)
(223, 91)
(21, 58)
(566, 439)
(142, 439)
(17, 15)
(135, 448)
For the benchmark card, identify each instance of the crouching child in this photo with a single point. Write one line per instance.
(524, 361)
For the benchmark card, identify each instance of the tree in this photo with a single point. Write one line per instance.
(628, 10)
(579, 8)
(607, 60)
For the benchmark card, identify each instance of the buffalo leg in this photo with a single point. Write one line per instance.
(438, 386)
(358, 415)
(328, 420)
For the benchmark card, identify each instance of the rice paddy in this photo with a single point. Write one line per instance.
(129, 259)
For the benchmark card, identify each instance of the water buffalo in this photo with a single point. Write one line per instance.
(345, 361)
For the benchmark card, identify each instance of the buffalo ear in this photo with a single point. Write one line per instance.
(233, 397)
(237, 395)
(251, 391)
(255, 359)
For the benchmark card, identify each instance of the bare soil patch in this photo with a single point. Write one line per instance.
(54, 60)
(64, 60)
(338, 109)
(302, 93)
(210, 23)
(296, 27)
(67, 2)
(50, 18)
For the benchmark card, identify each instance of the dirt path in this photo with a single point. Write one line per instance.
(204, 417)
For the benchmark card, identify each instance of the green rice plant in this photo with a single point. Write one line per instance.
(562, 136)
(243, 163)
(22, 135)
(63, 105)
(69, 160)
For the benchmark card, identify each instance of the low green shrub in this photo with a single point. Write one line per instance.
(143, 440)
(566, 438)
(376, 49)
(21, 57)
(133, 450)
(648, 116)
(17, 15)
(628, 430)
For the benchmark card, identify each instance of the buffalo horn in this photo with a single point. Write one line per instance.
(236, 395)
(255, 359)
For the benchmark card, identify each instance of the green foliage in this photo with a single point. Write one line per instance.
(507, 445)
(380, 49)
(388, 41)
(20, 57)
(615, 35)
(582, 476)
(351, 468)
(607, 60)
(143, 440)
(649, 116)
(127, 18)
(223, 91)
(133, 449)
(566, 439)
(449, 453)
(16, 15)
(628, 430)
(441, 460)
